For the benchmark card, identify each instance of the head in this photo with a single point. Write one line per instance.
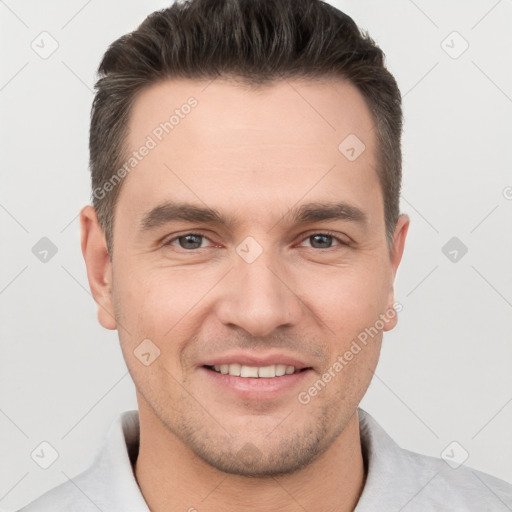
(256, 43)
(246, 168)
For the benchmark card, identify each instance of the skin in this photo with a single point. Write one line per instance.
(252, 154)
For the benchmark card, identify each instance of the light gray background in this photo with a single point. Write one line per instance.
(445, 372)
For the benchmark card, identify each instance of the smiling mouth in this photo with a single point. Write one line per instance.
(266, 372)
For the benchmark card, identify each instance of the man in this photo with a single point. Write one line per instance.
(243, 240)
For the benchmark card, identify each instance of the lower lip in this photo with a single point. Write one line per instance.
(256, 388)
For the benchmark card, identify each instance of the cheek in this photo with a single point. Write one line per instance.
(151, 310)
(153, 300)
(161, 305)
(347, 299)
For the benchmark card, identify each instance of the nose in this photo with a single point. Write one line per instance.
(259, 296)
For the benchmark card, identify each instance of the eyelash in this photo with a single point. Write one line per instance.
(325, 233)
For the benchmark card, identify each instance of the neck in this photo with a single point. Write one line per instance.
(171, 477)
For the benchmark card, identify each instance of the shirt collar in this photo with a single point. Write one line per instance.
(110, 481)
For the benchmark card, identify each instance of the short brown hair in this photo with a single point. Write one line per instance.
(256, 42)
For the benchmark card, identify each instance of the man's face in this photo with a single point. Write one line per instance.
(260, 285)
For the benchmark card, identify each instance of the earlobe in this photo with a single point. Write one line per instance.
(397, 250)
(99, 268)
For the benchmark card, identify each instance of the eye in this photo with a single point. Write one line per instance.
(324, 240)
(188, 241)
(194, 241)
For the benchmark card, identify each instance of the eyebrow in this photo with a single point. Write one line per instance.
(171, 211)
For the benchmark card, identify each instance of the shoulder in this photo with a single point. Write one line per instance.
(442, 487)
(66, 496)
(399, 479)
(109, 484)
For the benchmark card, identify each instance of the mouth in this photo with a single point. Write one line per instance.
(269, 383)
(255, 372)
(255, 376)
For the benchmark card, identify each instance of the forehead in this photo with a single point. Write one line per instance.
(216, 139)
(291, 110)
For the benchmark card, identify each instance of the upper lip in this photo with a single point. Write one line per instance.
(247, 359)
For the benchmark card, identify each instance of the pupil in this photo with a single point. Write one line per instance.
(190, 241)
(324, 239)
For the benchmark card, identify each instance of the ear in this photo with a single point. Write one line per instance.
(99, 268)
(397, 250)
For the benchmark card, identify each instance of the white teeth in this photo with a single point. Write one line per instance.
(249, 371)
(280, 369)
(238, 370)
(289, 369)
(235, 369)
(267, 371)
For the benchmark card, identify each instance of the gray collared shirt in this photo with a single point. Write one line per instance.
(397, 480)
